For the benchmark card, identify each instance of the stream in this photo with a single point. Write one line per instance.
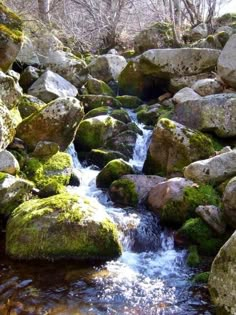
(150, 278)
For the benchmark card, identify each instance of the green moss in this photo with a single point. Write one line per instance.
(98, 87)
(101, 157)
(48, 171)
(193, 259)
(201, 277)
(198, 232)
(123, 191)
(2, 176)
(129, 101)
(11, 26)
(51, 189)
(62, 226)
(166, 123)
(94, 101)
(112, 171)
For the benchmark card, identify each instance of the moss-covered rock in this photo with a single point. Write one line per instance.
(123, 191)
(175, 200)
(149, 115)
(57, 122)
(10, 91)
(173, 146)
(94, 101)
(129, 101)
(93, 132)
(13, 191)
(11, 37)
(97, 87)
(193, 259)
(112, 171)
(43, 172)
(28, 105)
(101, 157)
(158, 35)
(119, 114)
(197, 232)
(61, 227)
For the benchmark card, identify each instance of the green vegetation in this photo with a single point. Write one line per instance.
(193, 259)
(201, 277)
(123, 191)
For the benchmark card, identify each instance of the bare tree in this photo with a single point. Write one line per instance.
(44, 10)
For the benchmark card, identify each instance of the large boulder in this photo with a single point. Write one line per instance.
(131, 190)
(213, 113)
(11, 37)
(61, 227)
(158, 35)
(185, 94)
(57, 122)
(28, 76)
(66, 65)
(173, 146)
(28, 54)
(94, 132)
(229, 202)
(200, 31)
(7, 128)
(226, 66)
(13, 191)
(97, 87)
(50, 86)
(223, 278)
(94, 101)
(107, 67)
(28, 105)
(214, 170)
(10, 91)
(157, 66)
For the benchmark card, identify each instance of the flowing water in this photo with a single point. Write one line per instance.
(151, 276)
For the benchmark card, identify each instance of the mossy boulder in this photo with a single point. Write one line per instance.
(61, 227)
(112, 171)
(149, 114)
(11, 37)
(158, 35)
(101, 157)
(175, 200)
(57, 122)
(97, 87)
(129, 101)
(222, 278)
(227, 19)
(45, 171)
(119, 114)
(173, 146)
(201, 277)
(131, 190)
(197, 232)
(94, 101)
(94, 132)
(13, 191)
(7, 128)
(29, 105)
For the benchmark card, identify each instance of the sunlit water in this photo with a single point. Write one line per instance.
(151, 276)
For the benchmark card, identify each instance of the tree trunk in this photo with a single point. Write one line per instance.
(44, 7)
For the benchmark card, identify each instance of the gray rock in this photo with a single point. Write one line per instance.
(7, 130)
(8, 163)
(107, 67)
(10, 91)
(179, 83)
(28, 54)
(57, 122)
(213, 216)
(222, 278)
(213, 170)
(207, 87)
(50, 86)
(28, 77)
(184, 95)
(45, 149)
(229, 202)
(213, 113)
(12, 192)
(66, 65)
(226, 66)
(199, 31)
